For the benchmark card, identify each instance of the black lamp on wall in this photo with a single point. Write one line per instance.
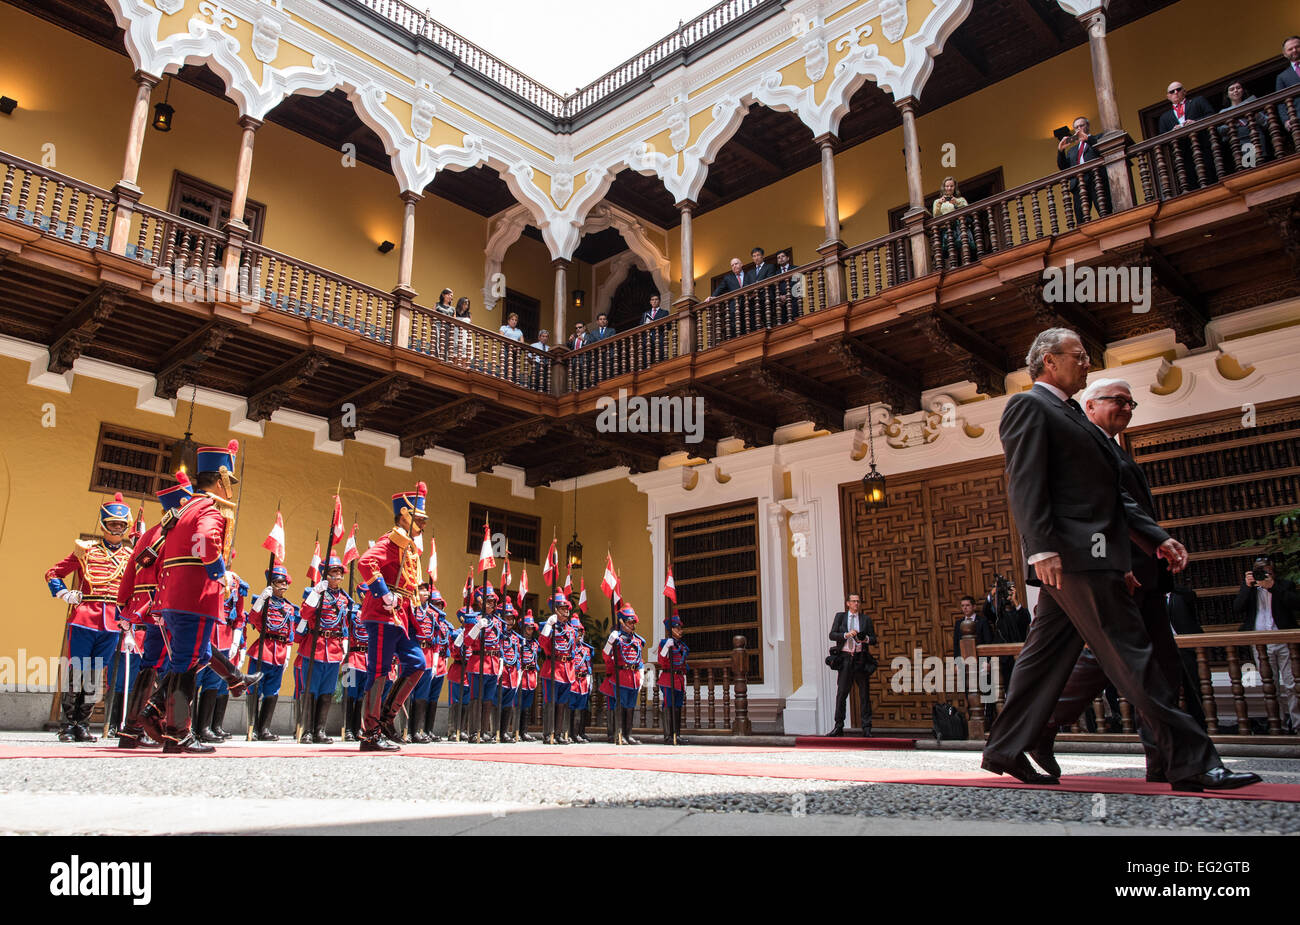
(8, 104)
(162, 113)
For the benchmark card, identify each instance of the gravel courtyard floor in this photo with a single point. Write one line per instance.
(268, 788)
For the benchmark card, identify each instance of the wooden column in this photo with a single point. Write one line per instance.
(833, 245)
(126, 190)
(561, 299)
(687, 301)
(236, 230)
(403, 293)
(914, 218)
(1114, 142)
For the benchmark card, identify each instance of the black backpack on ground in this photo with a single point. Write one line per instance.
(948, 722)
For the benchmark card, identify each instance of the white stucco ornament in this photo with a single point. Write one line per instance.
(169, 6)
(561, 187)
(893, 19)
(422, 118)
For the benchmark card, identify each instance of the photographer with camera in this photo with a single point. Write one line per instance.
(1267, 602)
(852, 632)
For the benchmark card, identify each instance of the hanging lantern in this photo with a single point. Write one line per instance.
(185, 452)
(573, 552)
(162, 113)
(873, 483)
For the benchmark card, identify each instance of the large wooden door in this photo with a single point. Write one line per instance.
(945, 533)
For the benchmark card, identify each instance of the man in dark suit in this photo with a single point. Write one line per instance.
(736, 279)
(1289, 75)
(789, 304)
(655, 341)
(1266, 602)
(852, 633)
(1080, 148)
(1181, 111)
(761, 270)
(578, 365)
(1076, 522)
(1109, 405)
(984, 635)
(601, 329)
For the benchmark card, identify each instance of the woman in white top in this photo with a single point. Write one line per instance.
(442, 332)
(461, 335)
(511, 330)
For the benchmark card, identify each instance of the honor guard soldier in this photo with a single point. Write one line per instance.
(623, 675)
(193, 585)
(135, 600)
(672, 678)
(557, 671)
(92, 624)
(511, 674)
(580, 689)
(214, 692)
(274, 617)
(391, 569)
(443, 633)
(324, 620)
(459, 694)
(529, 654)
(425, 629)
(354, 671)
(483, 665)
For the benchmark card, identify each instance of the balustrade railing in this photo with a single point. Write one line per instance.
(760, 306)
(55, 204)
(174, 245)
(1203, 152)
(626, 352)
(1260, 710)
(298, 288)
(873, 267)
(467, 346)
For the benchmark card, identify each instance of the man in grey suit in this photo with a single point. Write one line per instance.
(1076, 522)
(1290, 75)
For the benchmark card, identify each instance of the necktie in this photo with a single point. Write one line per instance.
(1178, 111)
(740, 280)
(1074, 407)
(1082, 145)
(1296, 67)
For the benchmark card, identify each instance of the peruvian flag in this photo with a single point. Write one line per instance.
(350, 553)
(582, 598)
(670, 589)
(505, 575)
(274, 542)
(138, 529)
(313, 570)
(433, 559)
(609, 583)
(467, 592)
(336, 522)
(485, 560)
(523, 587)
(552, 567)
(568, 584)
(419, 543)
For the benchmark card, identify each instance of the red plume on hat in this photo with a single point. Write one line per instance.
(182, 478)
(117, 496)
(233, 447)
(421, 489)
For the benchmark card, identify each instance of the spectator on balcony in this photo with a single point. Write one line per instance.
(762, 269)
(1289, 76)
(1240, 126)
(602, 329)
(789, 304)
(1076, 149)
(1267, 602)
(734, 280)
(541, 366)
(654, 339)
(1183, 109)
(462, 344)
(578, 365)
(442, 335)
(511, 330)
(445, 306)
(950, 200)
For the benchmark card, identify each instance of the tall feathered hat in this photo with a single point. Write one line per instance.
(173, 497)
(219, 459)
(412, 501)
(117, 509)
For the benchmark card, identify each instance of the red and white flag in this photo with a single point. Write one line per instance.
(609, 582)
(350, 553)
(313, 570)
(137, 530)
(552, 568)
(505, 575)
(582, 598)
(568, 584)
(670, 589)
(336, 522)
(433, 559)
(467, 592)
(485, 559)
(274, 542)
(523, 587)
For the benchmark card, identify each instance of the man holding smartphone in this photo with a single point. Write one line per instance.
(1080, 148)
(1267, 602)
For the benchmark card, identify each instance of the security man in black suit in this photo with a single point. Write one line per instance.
(761, 270)
(1080, 148)
(1076, 522)
(655, 339)
(1289, 76)
(1183, 109)
(1109, 405)
(852, 632)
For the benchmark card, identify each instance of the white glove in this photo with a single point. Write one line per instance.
(262, 598)
(390, 600)
(612, 636)
(667, 644)
(72, 597)
(313, 599)
(232, 652)
(302, 627)
(320, 586)
(551, 620)
(459, 640)
(128, 643)
(232, 583)
(475, 630)
(237, 639)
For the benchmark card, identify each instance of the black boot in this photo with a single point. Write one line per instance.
(677, 725)
(475, 721)
(306, 716)
(219, 717)
(81, 726)
(323, 704)
(372, 708)
(508, 720)
(666, 720)
(521, 719)
(178, 737)
(492, 733)
(114, 716)
(348, 734)
(453, 722)
(265, 714)
(562, 725)
(548, 723)
(627, 728)
(613, 736)
(418, 735)
(229, 672)
(584, 716)
(207, 707)
(132, 734)
(431, 716)
(397, 695)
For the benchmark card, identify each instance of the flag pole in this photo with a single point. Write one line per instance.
(261, 643)
(618, 666)
(313, 632)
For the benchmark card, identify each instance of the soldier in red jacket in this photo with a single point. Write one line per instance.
(557, 671)
(672, 678)
(483, 666)
(354, 672)
(192, 588)
(275, 618)
(93, 629)
(624, 672)
(459, 695)
(529, 655)
(580, 689)
(443, 633)
(326, 611)
(511, 673)
(424, 625)
(135, 600)
(391, 568)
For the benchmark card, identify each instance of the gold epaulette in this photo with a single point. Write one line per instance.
(227, 506)
(399, 537)
(83, 548)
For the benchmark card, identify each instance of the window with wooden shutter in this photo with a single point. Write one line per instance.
(131, 461)
(204, 204)
(521, 531)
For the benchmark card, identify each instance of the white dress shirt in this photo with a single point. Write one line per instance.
(1264, 610)
(851, 624)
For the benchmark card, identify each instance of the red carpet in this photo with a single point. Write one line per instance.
(877, 742)
(674, 761)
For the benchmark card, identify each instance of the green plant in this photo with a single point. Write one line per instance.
(1282, 544)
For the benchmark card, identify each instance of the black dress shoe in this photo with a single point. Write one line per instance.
(837, 731)
(1044, 758)
(1156, 776)
(378, 743)
(866, 732)
(1219, 778)
(1020, 769)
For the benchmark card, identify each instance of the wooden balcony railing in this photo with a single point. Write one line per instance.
(296, 287)
(1242, 703)
(875, 266)
(54, 204)
(625, 352)
(758, 306)
(467, 346)
(716, 703)
(1201, 153)
(174, 245)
